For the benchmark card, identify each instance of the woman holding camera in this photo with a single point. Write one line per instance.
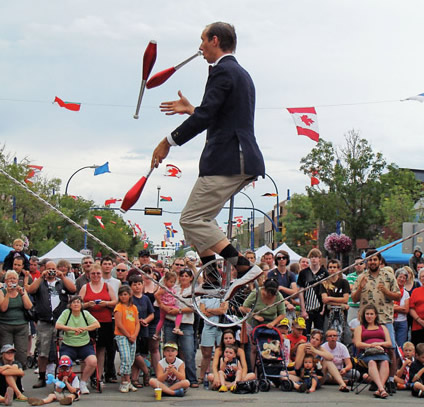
(14, 327)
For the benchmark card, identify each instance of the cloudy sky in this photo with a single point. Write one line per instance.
(353, 60)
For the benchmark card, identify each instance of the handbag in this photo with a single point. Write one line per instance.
(373, 352)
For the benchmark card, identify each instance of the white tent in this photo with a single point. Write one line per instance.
(63, 251)
(294, 257)
(261, 251)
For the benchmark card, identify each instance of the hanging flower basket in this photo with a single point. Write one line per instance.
(335, 243)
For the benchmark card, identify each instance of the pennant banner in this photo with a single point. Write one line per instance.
(270, 194)
(68, 105)
(419, 98)
(111, 201)
(99, 219)
(306, 121)
(165, 198)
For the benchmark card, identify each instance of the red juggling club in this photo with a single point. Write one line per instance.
(160, 77)
(149, 59)
(134, 193)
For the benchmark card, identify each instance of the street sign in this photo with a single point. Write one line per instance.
(153, 211)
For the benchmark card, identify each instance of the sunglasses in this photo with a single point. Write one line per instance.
(282, 258)
(179, 264)
(87, 262)
(121, 270)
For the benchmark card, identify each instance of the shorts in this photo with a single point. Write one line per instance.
(104, 335)
(142, 347)
(77, 352)
(211, 335)
(391, 330)
(60, 395)
(45, 334)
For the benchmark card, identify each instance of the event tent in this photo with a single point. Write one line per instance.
(4, 251)
(294, 257)
(261, 251)
(63, 251)
(394, 255)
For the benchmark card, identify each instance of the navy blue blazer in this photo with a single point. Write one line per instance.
(227, 112)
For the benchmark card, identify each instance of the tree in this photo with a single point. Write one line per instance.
(350, 187)
(300, 224)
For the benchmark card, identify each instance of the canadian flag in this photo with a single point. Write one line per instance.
(99, 219)
(306, 121)
(172, 171)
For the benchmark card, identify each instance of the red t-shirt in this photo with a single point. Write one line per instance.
(295, 340)
(102, 314)
(417, 303)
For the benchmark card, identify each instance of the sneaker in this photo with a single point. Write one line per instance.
(179, 393)
(124, 387)
(391, 387)
(84, 388)
(8, 397)
(252, 274)
(40, 383)
(131, 387)
(66, 401)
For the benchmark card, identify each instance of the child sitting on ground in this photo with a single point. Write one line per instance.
(229, 369)
(11, 374)
(402, 375)
(309, 376)
(165, 298)
(416, 372)
(65, 394)
(18, 251)
(170, 372)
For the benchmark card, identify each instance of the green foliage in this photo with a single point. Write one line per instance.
(299, 224)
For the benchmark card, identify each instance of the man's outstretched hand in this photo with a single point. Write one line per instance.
(181, 106)
(160, 153)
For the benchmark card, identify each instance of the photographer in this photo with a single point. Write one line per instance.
(50, 293)
(14, 327)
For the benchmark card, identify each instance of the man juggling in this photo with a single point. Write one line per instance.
(231, 158)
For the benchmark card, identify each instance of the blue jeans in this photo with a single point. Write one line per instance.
(186, 346)
(401, 332)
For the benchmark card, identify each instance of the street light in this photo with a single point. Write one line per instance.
(80, 169)
(252, 231)
(278, 202)
(157, 204)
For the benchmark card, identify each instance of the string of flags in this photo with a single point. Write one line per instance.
(112, 201)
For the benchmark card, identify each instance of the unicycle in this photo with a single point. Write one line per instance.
(214, 278)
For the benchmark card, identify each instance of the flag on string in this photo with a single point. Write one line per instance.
(111, 201)
(101, 169)
(314, 179)
(139, 228)
(99, 219)
(146, 245)
(74, 197)
(239, 220)
(306, 121)
(169, 233)
(165, 198)
(270, 194)
(172, 171)
(33, 170)
(68, 105)
(419, 98)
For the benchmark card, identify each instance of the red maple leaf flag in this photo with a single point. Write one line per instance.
(172, 171)
(314, 179)
(306, 121)
(99, 219)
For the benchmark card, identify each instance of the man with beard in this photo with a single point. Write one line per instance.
(379, 287)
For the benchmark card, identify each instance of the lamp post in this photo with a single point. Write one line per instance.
(157, 203)
(85, 223)
(252, 230)
(80, 169)
(278, 202)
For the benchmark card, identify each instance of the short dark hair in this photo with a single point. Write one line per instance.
(135, 279)
(225, 33)
(106, 258)
(372, 253)
(419, 349)
(271, 286)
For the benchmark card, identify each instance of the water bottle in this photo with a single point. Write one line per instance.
(206, 382)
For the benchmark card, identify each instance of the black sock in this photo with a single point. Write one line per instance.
(230, 254)
(207, 259)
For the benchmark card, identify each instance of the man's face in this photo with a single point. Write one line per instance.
(107, 266)
(269, 259)
(87, 264)
(18, 265)
(51, 270)
(122, 255)
(333, 268)
(33, 266)
(121, 271)
(315, 261)
(304, 263)
(359, 266)
(209, 48)
(251, 257)
(144, 260)
(373, 264)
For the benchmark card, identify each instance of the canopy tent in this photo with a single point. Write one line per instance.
(294, 257)
(261, 251)
(4, 251)
(63, 251)
(394, 255)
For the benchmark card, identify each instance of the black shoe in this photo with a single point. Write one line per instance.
(111, 379)
(40, 383)
(373, 387)
(391, 387)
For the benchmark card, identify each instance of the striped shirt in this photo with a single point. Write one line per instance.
(312, 296)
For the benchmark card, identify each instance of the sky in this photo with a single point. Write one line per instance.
(353, 60)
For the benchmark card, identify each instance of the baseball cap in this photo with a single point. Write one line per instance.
(170, 345)
(65, 361)
(285, 322)
(300, 323)
(7, 348)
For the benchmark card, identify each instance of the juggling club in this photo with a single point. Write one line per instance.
(149, 59)
(134, 193)
(162, 76)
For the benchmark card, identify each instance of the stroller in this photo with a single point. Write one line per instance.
(272, 357)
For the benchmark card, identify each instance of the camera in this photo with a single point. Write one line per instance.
(97, 301)
(52, 273)
(13, 285)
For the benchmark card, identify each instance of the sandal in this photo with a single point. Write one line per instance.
(137, 384)
(146, 379)
(344, 389)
